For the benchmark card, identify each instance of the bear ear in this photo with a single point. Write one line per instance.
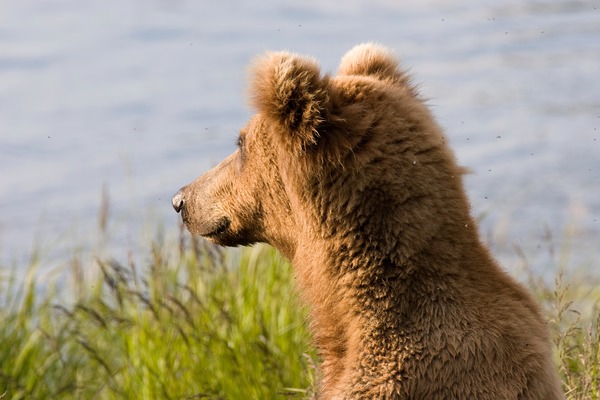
(370, 59)
(289, 90)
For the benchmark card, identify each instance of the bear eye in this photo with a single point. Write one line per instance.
(241, 143)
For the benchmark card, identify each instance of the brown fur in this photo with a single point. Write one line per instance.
(350, 177)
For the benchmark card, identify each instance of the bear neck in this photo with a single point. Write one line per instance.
(360, 284)
(372, 255)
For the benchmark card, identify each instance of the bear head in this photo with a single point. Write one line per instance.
(355, 156)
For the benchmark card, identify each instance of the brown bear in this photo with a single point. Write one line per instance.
(350, 177)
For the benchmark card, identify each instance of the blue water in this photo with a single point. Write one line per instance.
(142, 96)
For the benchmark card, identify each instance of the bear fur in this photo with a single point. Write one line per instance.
(350, 177)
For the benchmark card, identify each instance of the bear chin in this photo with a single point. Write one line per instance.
(223, 235)
(218, 229)
(209, 230)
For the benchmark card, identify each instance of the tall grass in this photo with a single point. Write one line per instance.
(194, 325)
(572, 309)
(203, 323)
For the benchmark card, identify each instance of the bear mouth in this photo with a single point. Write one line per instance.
(219, 229)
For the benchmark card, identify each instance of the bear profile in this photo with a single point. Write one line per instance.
(350, 177)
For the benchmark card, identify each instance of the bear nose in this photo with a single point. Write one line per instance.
(177, 201)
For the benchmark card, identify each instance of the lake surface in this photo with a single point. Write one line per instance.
(142, 96)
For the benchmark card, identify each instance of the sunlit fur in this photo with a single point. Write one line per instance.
(350, 177)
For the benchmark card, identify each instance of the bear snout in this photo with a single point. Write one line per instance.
(178, 200)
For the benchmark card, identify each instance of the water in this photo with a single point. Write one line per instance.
(142, 96)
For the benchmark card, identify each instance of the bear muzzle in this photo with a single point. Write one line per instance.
(211, 228)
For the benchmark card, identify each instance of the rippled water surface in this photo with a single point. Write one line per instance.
(142, 96)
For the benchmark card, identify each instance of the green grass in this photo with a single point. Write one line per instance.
(197, 322)
(575, 334)
(195, 325)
